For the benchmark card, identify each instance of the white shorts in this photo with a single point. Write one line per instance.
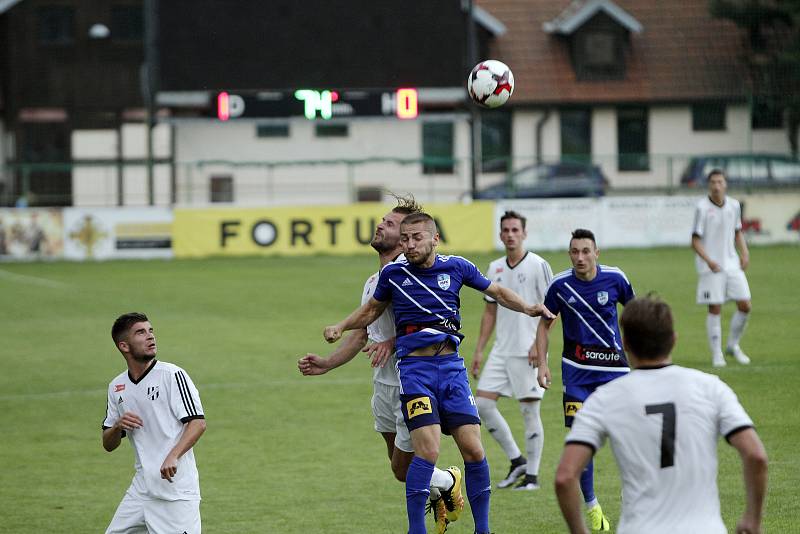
(136, 515)
(389, 416)
(717, 288)
(510, 376)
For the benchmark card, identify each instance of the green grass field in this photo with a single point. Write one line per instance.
(290, 454)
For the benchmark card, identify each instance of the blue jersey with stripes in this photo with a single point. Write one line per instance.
(592, 341)
(426, 301)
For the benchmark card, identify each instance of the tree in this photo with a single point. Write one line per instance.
(773, 53)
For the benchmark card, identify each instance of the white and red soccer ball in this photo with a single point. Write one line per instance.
(491, 83)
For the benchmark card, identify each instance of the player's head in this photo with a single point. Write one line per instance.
(419, 238)
(583, 251)
(717, 183)
(512, 230)
(387, 234)
(133, 335)
(647, 329)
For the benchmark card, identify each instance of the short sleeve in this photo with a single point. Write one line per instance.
(472, 277)
(383, 291)
(112, 414)
(731, 414)
(738, 223)
(493, 278)
(626, 290)
(551, 300)
(699, 221)
(184, 398)
(588, 427)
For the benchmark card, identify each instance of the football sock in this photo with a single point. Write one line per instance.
(714, 333)
(441, 479)
(738, 324)
(479, 489)
(534, 435)
(587, 482)
(418, 480)
(497, 426)
(591, 504)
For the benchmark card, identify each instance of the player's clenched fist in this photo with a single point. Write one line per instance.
(332, 333)
(536, 310)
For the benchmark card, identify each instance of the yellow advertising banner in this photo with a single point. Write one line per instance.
(318, 229)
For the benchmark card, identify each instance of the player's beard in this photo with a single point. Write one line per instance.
(143, 357)
(381, 244)
(421, 256)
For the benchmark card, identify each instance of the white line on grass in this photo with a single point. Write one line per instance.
(32, 280)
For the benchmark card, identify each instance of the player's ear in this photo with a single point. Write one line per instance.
(436, 239)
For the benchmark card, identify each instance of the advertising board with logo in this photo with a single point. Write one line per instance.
(318, 229)
(117, 233)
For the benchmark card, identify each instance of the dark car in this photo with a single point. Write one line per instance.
(549, 180)
(744, 169)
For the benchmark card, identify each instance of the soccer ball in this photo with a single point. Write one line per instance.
(490, 83)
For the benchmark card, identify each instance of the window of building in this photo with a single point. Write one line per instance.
(632, 139)
(496, 141)
(708, 117)
(766, 115)
(272, 130)
(437, 147)
(127, 23)
(331, 130)
(576, 135)
(56, 25)
(598, 54)
(222, 188)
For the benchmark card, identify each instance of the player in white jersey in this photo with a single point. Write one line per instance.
(716, 235)
(379, 338)
(507, 372)
(663, 422)
(156, 405)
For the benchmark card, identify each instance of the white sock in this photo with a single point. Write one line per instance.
(714, 333)
(441, 479)
(593, 502)
(534, 435)
(497, 426)
(738, 324)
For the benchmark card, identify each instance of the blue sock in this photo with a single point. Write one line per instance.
(587, 482)
(418, 483)
(479, 489)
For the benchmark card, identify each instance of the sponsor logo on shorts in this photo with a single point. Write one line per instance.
(596, 356)
(443, 280)
(571, 408)
(119, 387)
(418, 406)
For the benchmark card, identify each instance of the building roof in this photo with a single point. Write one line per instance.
(5, 5)
(681, 54)
(580, 11)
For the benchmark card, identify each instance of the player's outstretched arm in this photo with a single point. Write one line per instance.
(112, 436)
(488, 320)
(361, 317)
(541, 344)
(511, 300)
(754, 465)
(573, 461)
(191, 433)
(312, 364)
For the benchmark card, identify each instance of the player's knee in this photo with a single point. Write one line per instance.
(714, 309)
(427, 451)
(485, 406)
(744, 306)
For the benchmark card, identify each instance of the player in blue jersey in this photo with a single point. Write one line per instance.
(423, 290)
(586, 296)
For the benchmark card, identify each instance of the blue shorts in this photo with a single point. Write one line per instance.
(574, 397)
(434, 390)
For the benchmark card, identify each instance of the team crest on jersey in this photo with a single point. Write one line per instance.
(418, 406)
(602, 297)
(152, 392)
(521, 278)
(443, 280)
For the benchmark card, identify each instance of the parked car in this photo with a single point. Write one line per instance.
(744, 169)
(549, 180)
